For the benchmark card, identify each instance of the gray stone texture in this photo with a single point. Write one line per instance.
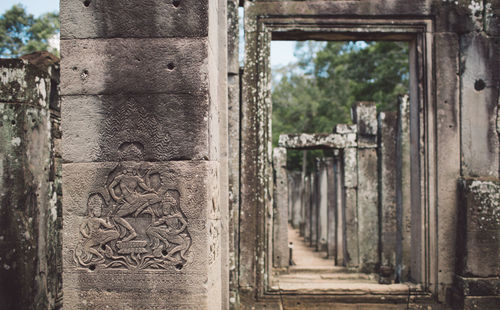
(153, 127)
(478, 246)
(387, 186)
(296, 199)
(479, 105)
(30, 183)
(306, 205)
(110, 66)
(178, 282)
(350, 206)
(133, 19)
(280, 214)
(331, 241)
(323, 206)
(315, 141)
(403, 190)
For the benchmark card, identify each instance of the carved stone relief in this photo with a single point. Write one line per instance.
(140, 226)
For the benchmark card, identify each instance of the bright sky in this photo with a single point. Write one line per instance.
(35, 7)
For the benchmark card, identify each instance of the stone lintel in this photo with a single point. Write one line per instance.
(309, 141)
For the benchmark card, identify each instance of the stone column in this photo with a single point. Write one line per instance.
(144, 150)
(365, 117)
(403, 190)
(280, 216)
(296, 199)
(478, 245)
(30, 183)
(314, 210)
(233, 111)
(306, 205)
(340, 202)
(323, 206)
(387, 122)
(350, 207)
(331, 241)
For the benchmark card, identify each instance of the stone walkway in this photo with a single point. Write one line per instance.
(314, 273)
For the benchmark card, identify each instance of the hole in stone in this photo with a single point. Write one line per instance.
(85, 74)
(74, 68)
(178, 266)
(164, 252)
(170, 66)
(13, 122)
(86, 3)
(479, 85)
(103, 247)
(92, 267)
(176, 3)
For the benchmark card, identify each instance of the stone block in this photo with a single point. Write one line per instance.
(314, 210)
(23, 82)
(153, 127)
(332, 172)
(133, 19)
(364, 115)
(308, 141)
(296, 199)
(479, 105)
(141, 235)
(306, 205)
(478, 247)
(134, 66)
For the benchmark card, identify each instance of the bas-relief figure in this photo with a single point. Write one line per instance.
(141, 226)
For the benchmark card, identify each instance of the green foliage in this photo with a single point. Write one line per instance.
(22, 33)
(317, 92)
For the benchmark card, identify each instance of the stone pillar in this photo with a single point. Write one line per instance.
(323, 206)
(350, 205)
(144, 151)
(340, 202)
(306, 205)
(297, 200)
(387, 129)
(233, 111)
(331, 240)
(30, 183)
(314, 210)
(365, 117)
(280, 216)
(403, 190)
(477, 284)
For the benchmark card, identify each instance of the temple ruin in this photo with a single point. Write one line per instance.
(139, 173)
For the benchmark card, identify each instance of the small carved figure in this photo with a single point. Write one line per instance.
(131, 200)
(93, 232)
(169, 229)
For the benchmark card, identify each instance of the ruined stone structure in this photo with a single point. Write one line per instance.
(167, 167)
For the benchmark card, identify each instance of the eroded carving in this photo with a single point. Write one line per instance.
(141, 226)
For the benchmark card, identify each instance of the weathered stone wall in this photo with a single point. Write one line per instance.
(144, 98)
(30, 183)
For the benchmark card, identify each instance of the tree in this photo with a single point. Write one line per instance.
(22, 33)
(317, 92)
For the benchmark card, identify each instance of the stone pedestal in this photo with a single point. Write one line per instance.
(145, 151)
(30, 183)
